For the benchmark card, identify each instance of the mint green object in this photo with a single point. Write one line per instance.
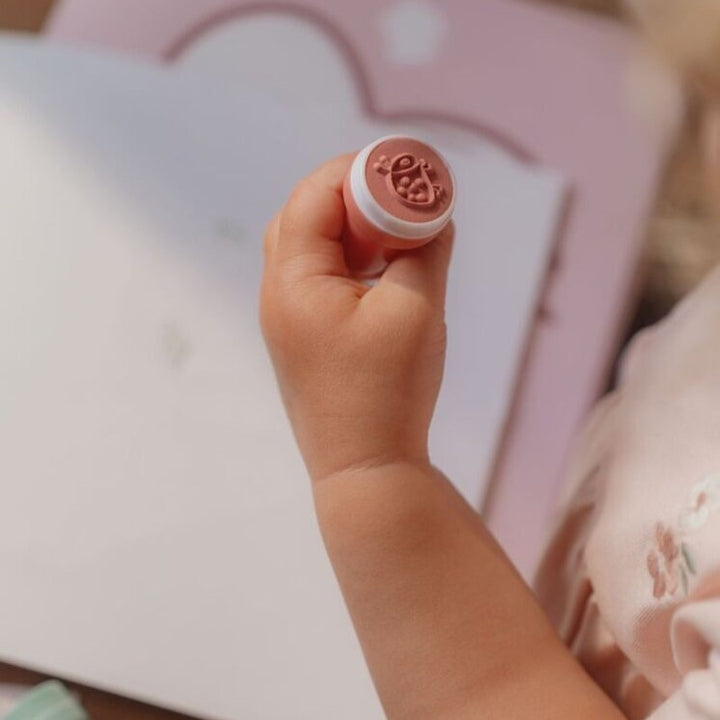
(49, 701)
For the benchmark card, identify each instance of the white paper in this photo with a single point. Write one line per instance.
(157, 533)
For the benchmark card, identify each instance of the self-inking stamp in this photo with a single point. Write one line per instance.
(399, 195)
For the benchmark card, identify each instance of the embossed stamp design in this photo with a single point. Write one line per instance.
(409, 180)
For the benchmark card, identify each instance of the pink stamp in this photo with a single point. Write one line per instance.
(399, 195)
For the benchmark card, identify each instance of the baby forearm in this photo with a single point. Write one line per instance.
(447, 626)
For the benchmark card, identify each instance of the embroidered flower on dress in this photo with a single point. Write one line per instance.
(670, 563)
(704, 500)
(662, 562)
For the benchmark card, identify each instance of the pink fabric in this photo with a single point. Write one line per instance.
(631, 577)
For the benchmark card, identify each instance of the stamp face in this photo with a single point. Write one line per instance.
(409, 180)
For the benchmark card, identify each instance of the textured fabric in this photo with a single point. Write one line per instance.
(631, 577)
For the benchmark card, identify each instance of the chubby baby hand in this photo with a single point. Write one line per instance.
(359, 367)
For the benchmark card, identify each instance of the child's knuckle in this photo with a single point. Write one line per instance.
(292, 214)
(419, 315)
(286, 317)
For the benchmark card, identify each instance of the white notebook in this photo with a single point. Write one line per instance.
(157, 535)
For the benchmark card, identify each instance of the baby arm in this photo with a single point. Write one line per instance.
(448, 628)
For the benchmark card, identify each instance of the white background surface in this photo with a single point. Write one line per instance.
(157, 535)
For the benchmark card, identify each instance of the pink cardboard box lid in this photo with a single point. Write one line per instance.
(552, 87)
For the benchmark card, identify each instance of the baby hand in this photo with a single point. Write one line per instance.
(359, 368)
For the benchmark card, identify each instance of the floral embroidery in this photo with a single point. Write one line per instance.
(703, 502)
(670, 563)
